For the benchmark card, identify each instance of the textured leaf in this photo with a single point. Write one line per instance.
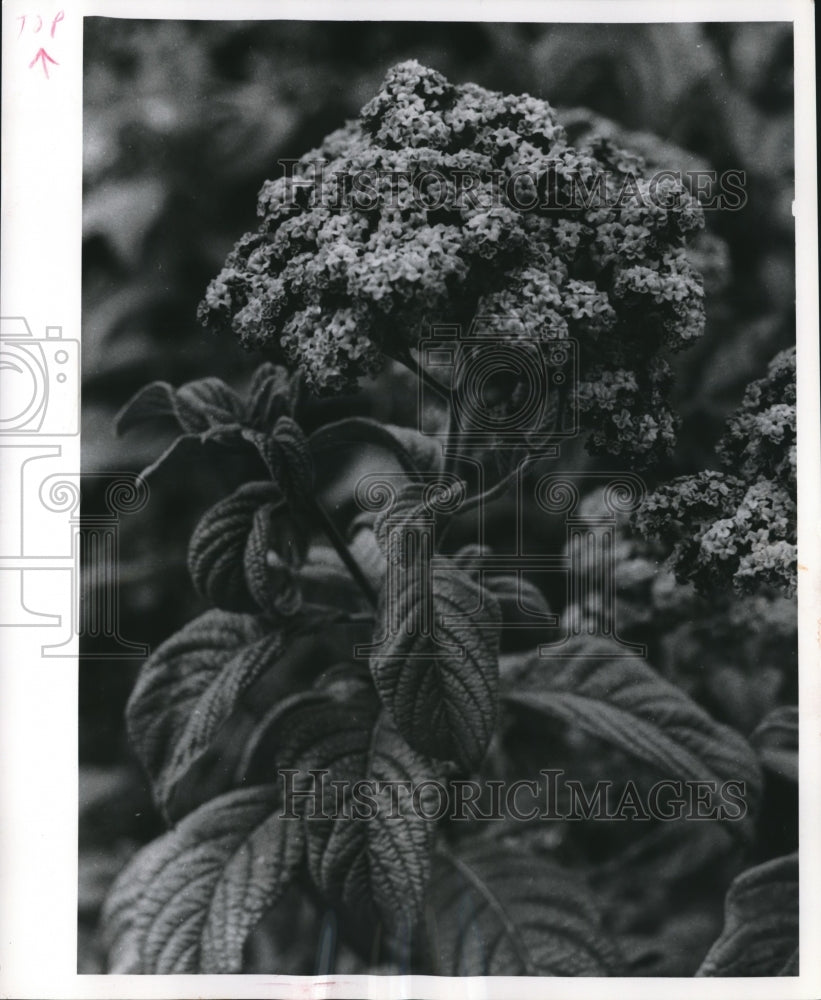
(443, 698)
(776, 741)
(207, 402)
(659, 895)
(760, 936)
(404, 512)
(520, 600)
(415, 452)
(188, 901)
(196, 406)
(288, 458)
(119, 932)
(151, 402)
(189, 687)
(496, 910)
(217, 548)
(623, 701)
(425, 451)
(270, 578)
(271, 395)
(377, 866)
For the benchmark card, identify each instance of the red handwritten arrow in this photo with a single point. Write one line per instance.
(45, 59)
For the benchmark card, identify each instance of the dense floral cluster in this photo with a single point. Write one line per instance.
(441, 203)
(738, 526)
(733, 653)
(759, 441)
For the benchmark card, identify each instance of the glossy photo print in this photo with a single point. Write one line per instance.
(438, 517)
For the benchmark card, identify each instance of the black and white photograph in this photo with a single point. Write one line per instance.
(436, 534)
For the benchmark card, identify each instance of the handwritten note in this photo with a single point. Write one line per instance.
(33, 24)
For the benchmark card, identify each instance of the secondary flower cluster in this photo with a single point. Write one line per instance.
(738, 526)
(333, 285)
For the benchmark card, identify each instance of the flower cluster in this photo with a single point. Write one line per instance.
(734, 653)
(760, 437)
(444, 202)
(738, 526)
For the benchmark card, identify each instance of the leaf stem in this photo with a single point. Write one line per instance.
(410, 362)
(489, 495)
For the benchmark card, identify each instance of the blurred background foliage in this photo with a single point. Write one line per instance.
(183, 121)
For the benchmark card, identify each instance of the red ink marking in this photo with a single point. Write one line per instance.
(39, 24)
(22, 19)
(42, 55)
(58, 17)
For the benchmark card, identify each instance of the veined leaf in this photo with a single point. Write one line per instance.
(407, 509)
(271, 395)
(623, 701)
(522, 603)
(196, 406)
(440, 684)
(760, 936)
(415, 452)
(119, 931)
(189, 687)
(270, 578)
(374, 859)
(209, 410)
(495, 910)
(286, 453)
(776, 740)
(217, 548)
(188, 901)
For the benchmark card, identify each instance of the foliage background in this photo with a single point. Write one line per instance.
(182, 123)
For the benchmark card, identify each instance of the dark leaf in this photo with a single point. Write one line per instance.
(195, 407)
(208, 402)
(415, 452)
(494, 910)
(188, 689)
(188, 901)
(623, 701)
(760, 936)
(520, 600)
(271, 395)
(377, 866)
(407, 511)
(271, 579)
(217, 548)
(118, 923)
(776, 741)
(288, 458)
(440, 684)
(151, 402)
(425, 451)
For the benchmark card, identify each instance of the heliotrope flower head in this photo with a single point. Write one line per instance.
(738, 527)
(441, 202)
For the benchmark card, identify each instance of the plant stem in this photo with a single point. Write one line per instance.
(344, 553)
(410, 362)
(495, 491)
